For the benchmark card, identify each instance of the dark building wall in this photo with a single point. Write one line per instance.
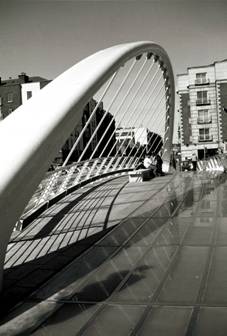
(85, 138)
(6, 106)
(155, 143)
(223, 102)
(88, 133)
(185, 115)
(109, 119)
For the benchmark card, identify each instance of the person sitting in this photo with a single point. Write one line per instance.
(149, 163)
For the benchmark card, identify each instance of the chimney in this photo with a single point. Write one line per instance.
(23, 78)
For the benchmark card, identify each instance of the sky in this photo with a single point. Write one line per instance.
(44, 38)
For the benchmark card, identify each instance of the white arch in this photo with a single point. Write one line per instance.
(31, 136)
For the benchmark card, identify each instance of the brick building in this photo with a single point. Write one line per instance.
(202, 101)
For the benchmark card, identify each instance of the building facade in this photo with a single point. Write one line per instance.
(202, 101)
(14, 92)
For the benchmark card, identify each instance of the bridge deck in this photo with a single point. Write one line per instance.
(161, 271)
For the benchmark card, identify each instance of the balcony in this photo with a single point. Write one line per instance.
(204, 120)
(202, 81)
(205, 138)
(202, 101)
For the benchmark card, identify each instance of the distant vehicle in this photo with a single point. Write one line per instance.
(186, 165)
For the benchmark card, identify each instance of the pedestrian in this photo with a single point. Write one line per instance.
(174, 163)
(159, 163)
(194, 161)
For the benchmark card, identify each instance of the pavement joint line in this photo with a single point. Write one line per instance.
(132, 303)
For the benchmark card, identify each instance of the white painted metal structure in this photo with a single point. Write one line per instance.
(32, 135)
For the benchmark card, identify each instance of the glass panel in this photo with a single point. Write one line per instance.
(146, 277)
(222, 230)
(101, 283)
(79, 271)
(183, 282)
(211, 321)
(217, 281)
(166, 321)
(200, 233)
(122, 232)
(115, 321)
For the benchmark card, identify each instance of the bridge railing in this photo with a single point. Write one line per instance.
(63, 178)
(215, 163)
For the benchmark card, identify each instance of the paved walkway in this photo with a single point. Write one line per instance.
(161, 271)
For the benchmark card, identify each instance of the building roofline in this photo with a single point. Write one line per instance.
(202, 66)
(30, 79)
(182, 74)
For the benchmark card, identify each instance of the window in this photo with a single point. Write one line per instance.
(204, 134)
(10, 97)
(201, 75)
(202, 97)
(203, 116)
(201, 78)
(29, 94)
(201, 94)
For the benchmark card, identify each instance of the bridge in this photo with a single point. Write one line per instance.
(83, 250)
